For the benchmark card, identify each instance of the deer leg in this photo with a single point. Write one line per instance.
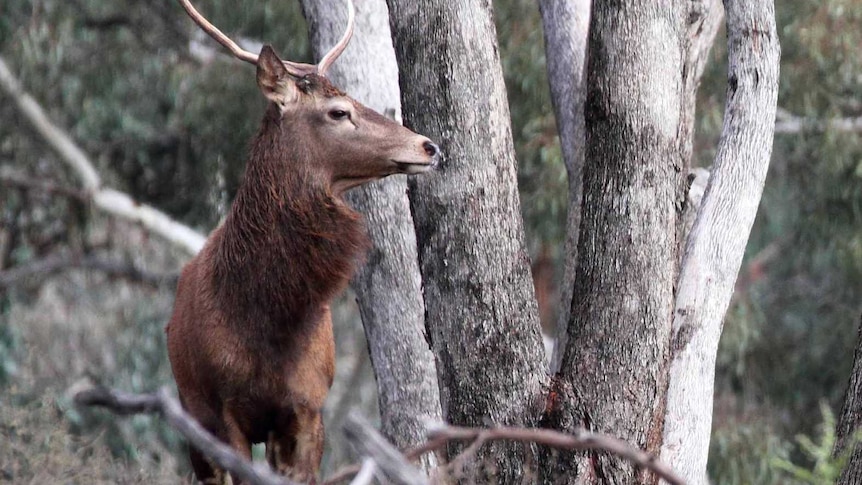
(309, 443)
(205, 471)
(236, 438)
(295, 447)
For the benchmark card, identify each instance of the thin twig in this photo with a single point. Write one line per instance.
(393, 466)
(456, 465)
(21, 182)
(162, 403)
(789, 123)
(580, 440)
(366, 472)
(53, 264)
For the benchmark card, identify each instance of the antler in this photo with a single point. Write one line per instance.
(336, 50)
(297, 69)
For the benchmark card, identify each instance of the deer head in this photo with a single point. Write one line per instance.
(349, 143)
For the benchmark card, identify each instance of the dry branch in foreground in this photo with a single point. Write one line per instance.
(440, 436)
(379, 457)
(162, 403)
(391, 466)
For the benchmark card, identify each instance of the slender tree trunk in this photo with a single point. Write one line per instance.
(704, 19)
(851, 419)
(715, 247)
(613, 376)
(388, 286)
(481, 310)
(566, 23)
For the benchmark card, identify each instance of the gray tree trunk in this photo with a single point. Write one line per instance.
(565, 24)
(613, 376)
(480, 305)
(704, 19)
(850, 421)
(715, 247)
(388, 286)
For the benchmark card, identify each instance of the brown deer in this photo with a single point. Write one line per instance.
(250, 340)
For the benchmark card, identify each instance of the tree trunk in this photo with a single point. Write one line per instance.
(715, 247)
(704, 19)
(566, 24)
(388, 286)
(481, 311)
(851, 419)
(613, 377)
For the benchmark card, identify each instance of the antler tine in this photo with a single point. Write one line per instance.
(297, 69)
(217, 34)
(336, 51)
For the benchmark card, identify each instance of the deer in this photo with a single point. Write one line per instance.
(250, 338)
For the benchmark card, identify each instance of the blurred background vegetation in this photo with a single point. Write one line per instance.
(168, 119)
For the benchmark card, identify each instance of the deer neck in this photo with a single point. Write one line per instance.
(288, 246)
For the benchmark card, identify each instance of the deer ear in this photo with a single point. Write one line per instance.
(273, 79)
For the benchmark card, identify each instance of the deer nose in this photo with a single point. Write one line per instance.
(431, 149)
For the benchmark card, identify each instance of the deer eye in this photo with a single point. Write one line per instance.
(339, 114)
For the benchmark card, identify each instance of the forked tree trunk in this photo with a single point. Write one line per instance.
(388, 286)
(613, 376)
(850, 421)
(713, 253)
(565, 24)
(481, 310)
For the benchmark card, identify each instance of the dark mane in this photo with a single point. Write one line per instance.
(287, 245)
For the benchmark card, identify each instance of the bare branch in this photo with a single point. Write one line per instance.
(392, 466)
(109, 200)
(366, 472)
(580, 440)
(120, 204)
(59, 262)
(59, 141)
(440, 436)
(21, 182)
(162, 403)
(787, 123)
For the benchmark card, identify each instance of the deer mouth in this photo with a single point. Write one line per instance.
(411, 168)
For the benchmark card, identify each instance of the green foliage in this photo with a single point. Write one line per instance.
(542, 179)
(821, 466)
(741, 453)
(9, 343)
(752, 451)
(166, 126)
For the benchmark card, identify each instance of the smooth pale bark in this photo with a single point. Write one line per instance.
(715, 247)
(388, 286)
(481, 311)
(613, 376)
(565, 24)
(850, 421)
